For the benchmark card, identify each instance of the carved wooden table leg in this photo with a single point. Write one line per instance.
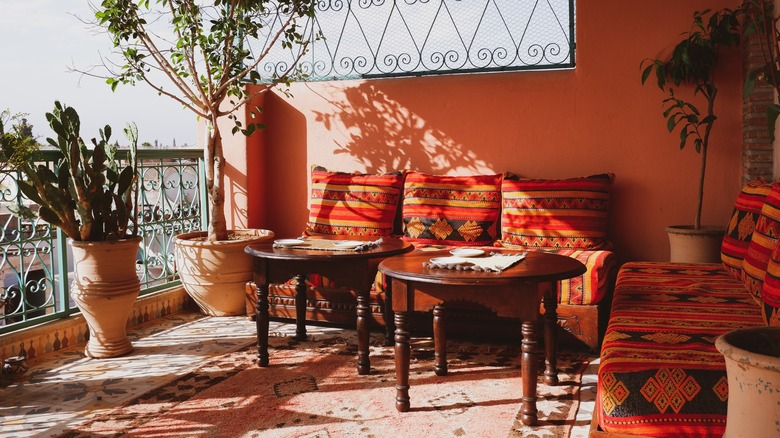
(261, 320)
(530, 366)
(402, 357)
(363, 315)
(440, 340)
(389, 318)
(300, 307)
(550, 334)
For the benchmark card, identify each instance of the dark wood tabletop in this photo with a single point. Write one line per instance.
(388, 247)
(537, 267)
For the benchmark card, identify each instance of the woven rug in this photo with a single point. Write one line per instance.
(312, 389)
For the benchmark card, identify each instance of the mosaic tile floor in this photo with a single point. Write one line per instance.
(67, 388)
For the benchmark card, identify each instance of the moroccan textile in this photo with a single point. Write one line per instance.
(451, 210)
(590, 287)
(739, 231)
(770, 290)
(567, 213)
(660, 374)
(764, 239)
(311, 389)
(353, 204)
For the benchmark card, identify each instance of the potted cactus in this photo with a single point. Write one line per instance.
(91, 198)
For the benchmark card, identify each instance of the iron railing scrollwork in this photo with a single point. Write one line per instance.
(34, 256)
(383, 38)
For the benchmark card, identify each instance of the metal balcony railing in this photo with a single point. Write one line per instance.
(35, 259)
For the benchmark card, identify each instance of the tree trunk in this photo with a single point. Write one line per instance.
(215, 182)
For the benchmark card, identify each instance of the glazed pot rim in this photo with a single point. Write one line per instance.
(725, 343)
(689, 229)
(194, 238)
(124, 240)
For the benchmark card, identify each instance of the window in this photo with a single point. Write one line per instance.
(384, 38)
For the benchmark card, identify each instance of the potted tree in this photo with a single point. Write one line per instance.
(693, 63)
(92, 199)
(203, 55)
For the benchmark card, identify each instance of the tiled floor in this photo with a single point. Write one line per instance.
(67, 388)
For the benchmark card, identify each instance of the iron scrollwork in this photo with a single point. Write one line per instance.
(383, 38)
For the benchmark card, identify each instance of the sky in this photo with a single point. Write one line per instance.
(41, 39)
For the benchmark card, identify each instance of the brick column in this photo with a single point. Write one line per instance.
(757, 149)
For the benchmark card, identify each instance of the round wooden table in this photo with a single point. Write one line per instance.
(515, 292)
(348, 269)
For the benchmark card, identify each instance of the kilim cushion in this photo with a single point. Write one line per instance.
(765, 235)
(660, 373)
(770, 292)
(353, 204)
(451, 210)
(590, 287)
(739, 231)
(568, 213)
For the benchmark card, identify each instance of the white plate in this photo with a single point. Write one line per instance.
(467, 252)
(348, 244)
(288, 242)
(450, 261)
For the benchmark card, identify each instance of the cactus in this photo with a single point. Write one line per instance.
(87, 196)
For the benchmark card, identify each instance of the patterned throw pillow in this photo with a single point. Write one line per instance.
(765, 236)
(353, 204)
(770, 290)
(739, 231)
(451, 210)
(567, 213)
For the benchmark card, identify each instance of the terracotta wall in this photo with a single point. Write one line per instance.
(554, 124)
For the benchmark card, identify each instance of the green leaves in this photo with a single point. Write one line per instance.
(693, 63)
(80, 193)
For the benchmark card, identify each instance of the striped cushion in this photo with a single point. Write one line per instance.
(770, 291)
(451, 210)
(765, 236)
(353, 204)
(592, 286)
(739, 231)
(568, 213)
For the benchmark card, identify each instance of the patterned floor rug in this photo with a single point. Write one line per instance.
(312, 389)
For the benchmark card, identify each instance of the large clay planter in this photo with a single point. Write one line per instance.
(754, 382)
(105, 286)
(689, 245)
(215, 274)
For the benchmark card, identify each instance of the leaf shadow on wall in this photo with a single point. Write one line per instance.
(384, 135)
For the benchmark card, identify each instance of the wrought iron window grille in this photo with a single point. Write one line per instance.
(349, 39)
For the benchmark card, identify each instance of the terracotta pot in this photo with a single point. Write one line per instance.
(215, 274)
(754, 382)
(689, 245)
(105, 286)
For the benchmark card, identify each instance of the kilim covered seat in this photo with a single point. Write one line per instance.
(660, 373)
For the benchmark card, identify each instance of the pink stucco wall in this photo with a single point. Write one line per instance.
(556, 124)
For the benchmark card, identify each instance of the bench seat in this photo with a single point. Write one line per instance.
(660, 374)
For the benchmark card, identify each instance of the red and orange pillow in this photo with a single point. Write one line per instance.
(565, 213)
(353, 203)
(765, 237)
(739, 231)
(451, 210)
